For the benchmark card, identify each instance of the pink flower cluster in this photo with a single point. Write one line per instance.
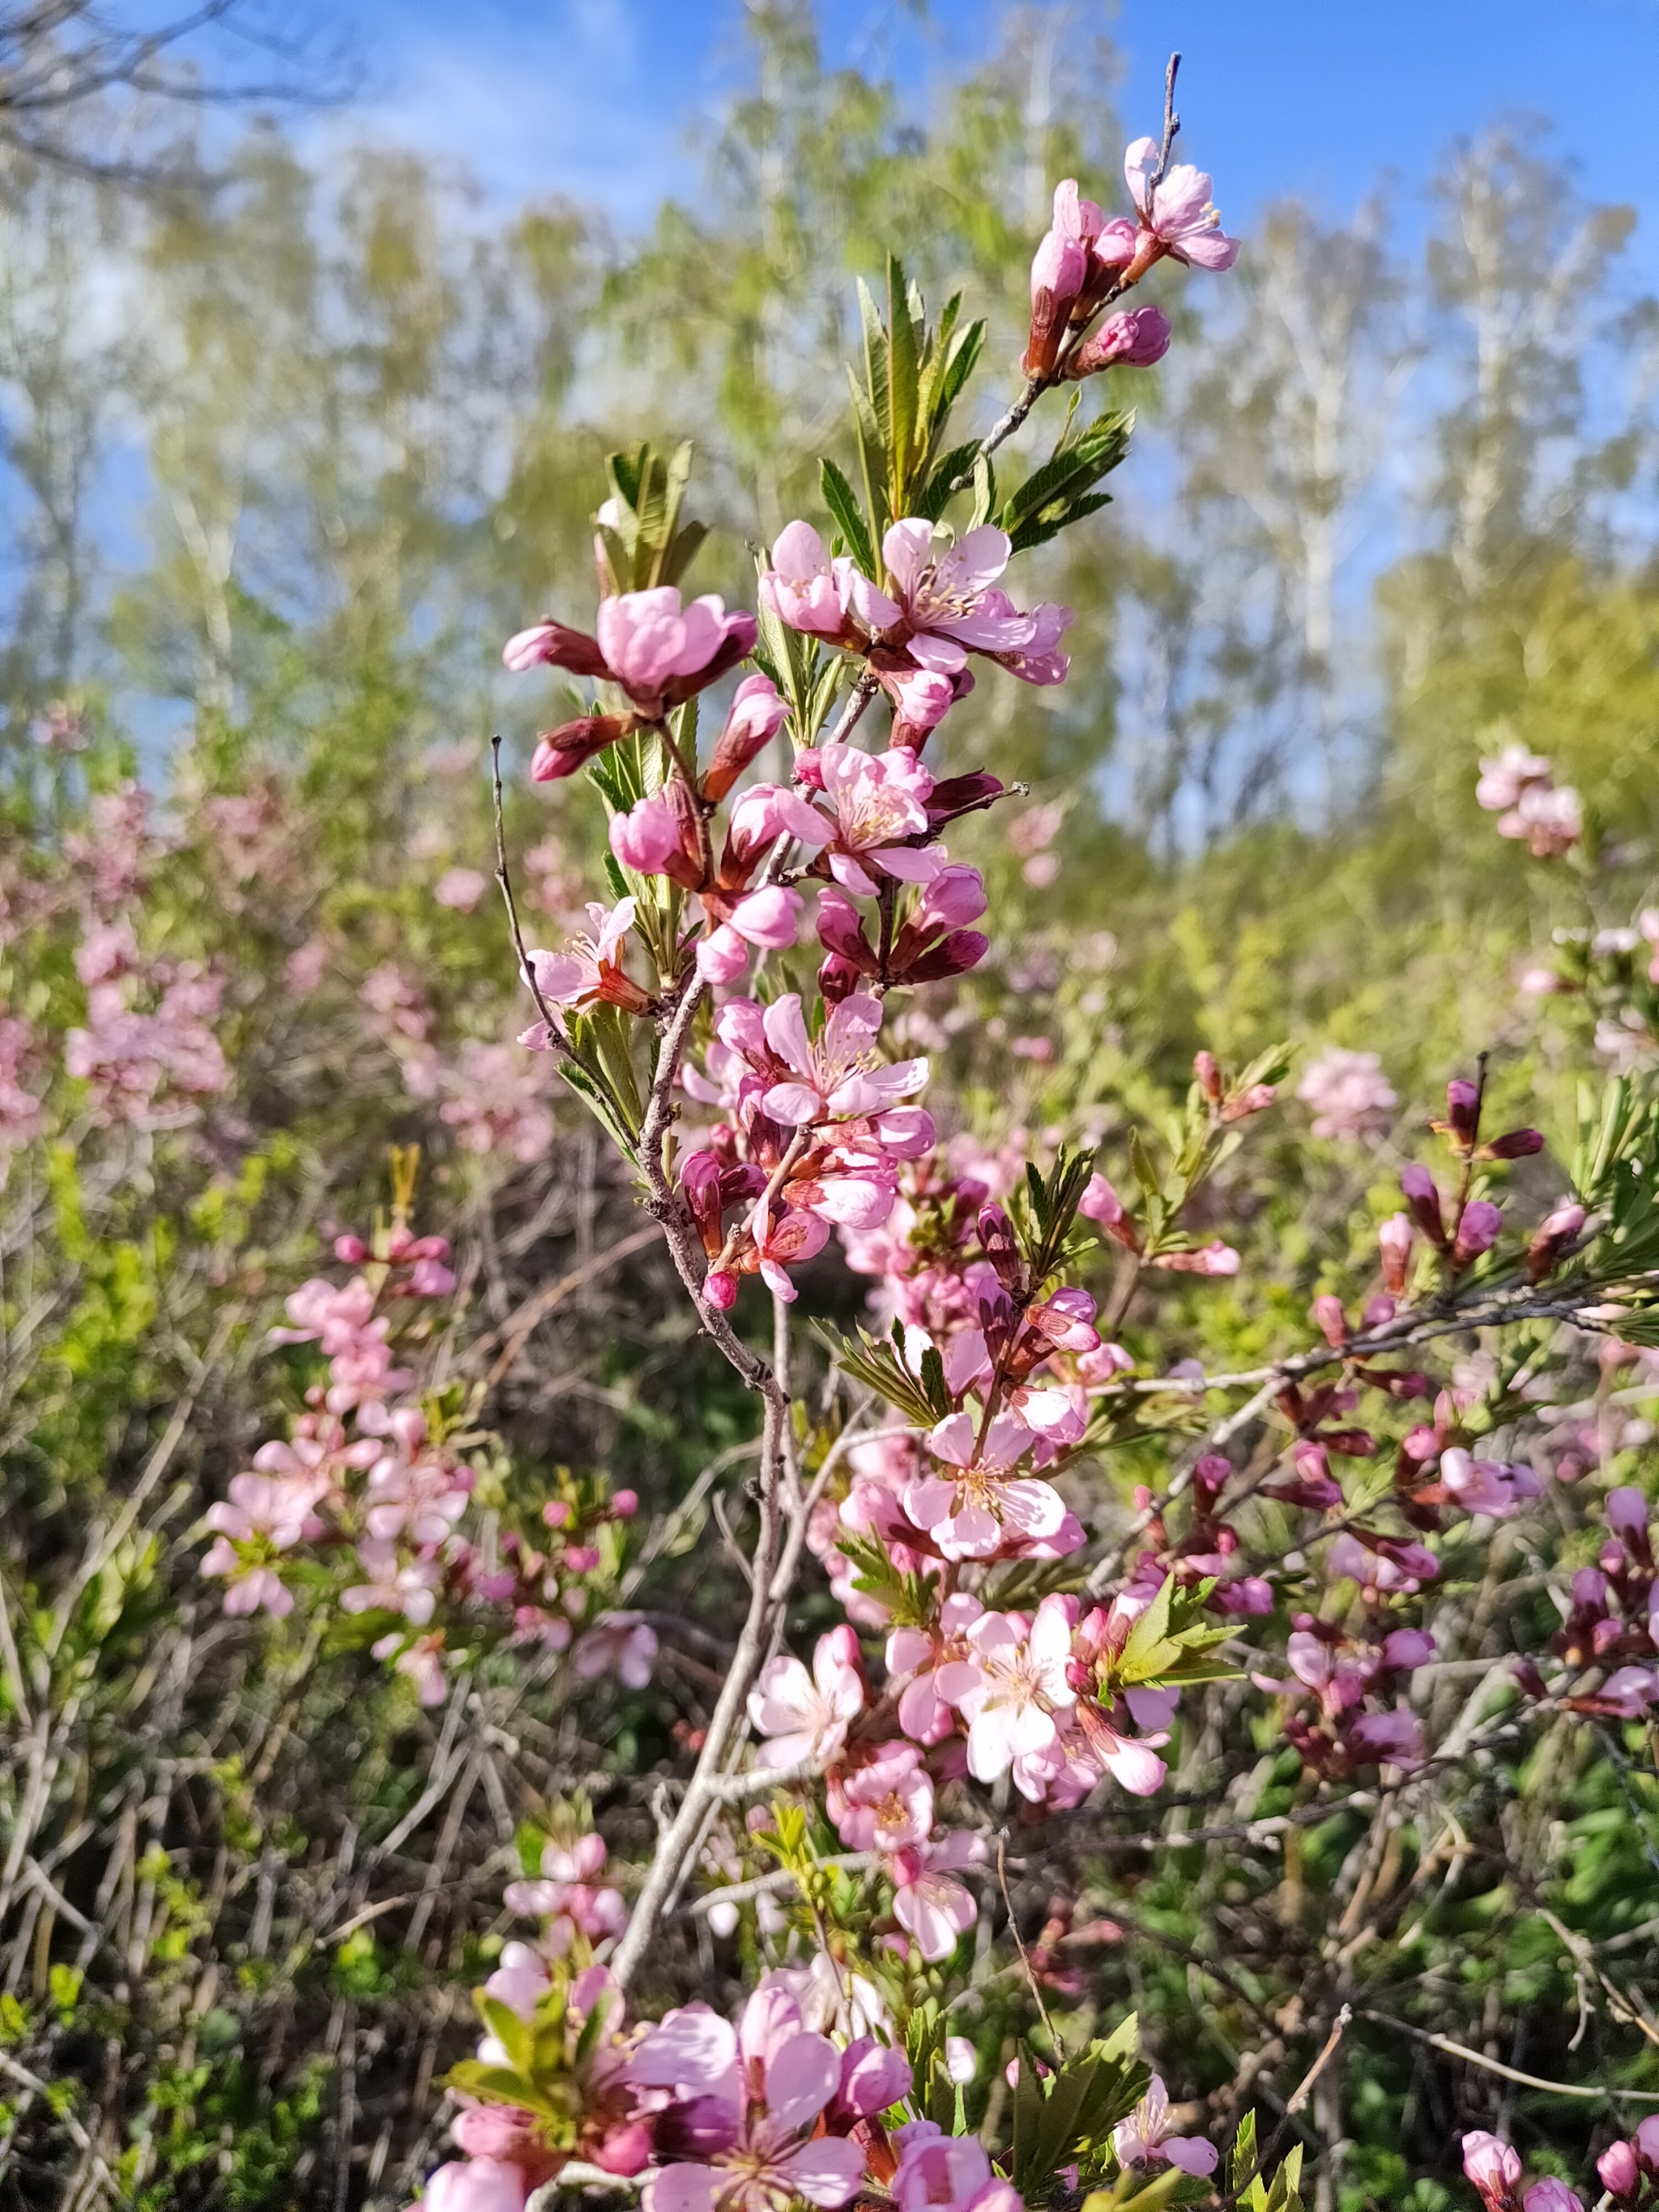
(1613, 1625)
(1520, 789)
(1087, 260)
(1349, 1093)
(145, 1065)
(363, 1477)
(20, 1108)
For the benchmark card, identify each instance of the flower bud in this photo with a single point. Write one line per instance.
(837, 979)
(1516, 1145)
(1058, 271)
(554, 642)
(1552, 1234)
(624, 1504)
(1493, 2167)
(952, 956)
(720, 1290)
(1620, 2174)
(648, 837)
(1477, 1231)
(1332, 1322)
(1423, 1200)
(758, 713)
(1135, 339)
(1395, 1240)
(996, 1236)
(1551, 2196)
(1208, 1074)
(560, 752)
(1462, 1112)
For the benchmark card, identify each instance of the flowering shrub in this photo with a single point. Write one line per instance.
(994, 1653)
(1130, 1563)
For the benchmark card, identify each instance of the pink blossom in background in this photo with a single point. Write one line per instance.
(1349, 1093)
(618, 1644)
(1503, 781)
(272, 1513)
(460, 888)
(1148, 2137)
(497, 1101)
(1550, 822)
(20, 1110)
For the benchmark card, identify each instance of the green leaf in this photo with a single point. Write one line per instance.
(842, 502)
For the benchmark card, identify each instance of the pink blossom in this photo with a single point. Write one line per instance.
(758, 713)
(1627, 1692)
(1551, 2196)
(807, 1717)
(785, 1237)
(971, 1514)
(837, 1074)
(1395, 1736)
(476, 2185)
(918, 1654)
(1492, 2167)
(419, 1499)
(408, 1589)
(1549, 818)
(888, 1804)
(770, 917)
(1626, 1511)
(460, 888)
(1177, 214)
(1011, 1685)
(520, 1981)
(879, 800)
(649, 639)
(618, 1644)
(874, 2076)
(938, 2172)
(1144, 2138)
(928, 1903)
(943, 589)
(1348, 1092)
(770, 2156)
(578, 975)
(421, 1662)
(1481, 1486)
(809, 592)
(1505, 780)
(272, 1514)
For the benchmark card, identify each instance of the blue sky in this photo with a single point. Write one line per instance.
(601, 99)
